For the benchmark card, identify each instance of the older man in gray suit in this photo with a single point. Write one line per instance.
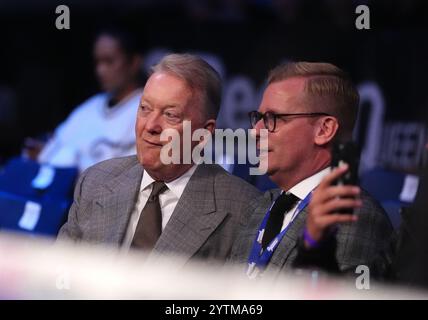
(306, 107)
(140, 202)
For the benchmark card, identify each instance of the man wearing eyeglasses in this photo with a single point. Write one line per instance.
(305, 108)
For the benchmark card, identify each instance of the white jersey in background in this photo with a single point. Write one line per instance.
(93, 132)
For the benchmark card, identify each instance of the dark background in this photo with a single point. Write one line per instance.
(46, 72)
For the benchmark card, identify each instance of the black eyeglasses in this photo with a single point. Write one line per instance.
(269, 118)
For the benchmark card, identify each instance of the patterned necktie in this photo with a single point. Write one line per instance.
(276, 218)
(149, 227)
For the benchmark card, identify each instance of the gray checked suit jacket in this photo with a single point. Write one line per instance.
(203, 224)
(358, 243)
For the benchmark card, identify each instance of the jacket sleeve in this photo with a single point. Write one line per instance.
(369, 241)
(71, 230)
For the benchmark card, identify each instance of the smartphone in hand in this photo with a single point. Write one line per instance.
(346, 152)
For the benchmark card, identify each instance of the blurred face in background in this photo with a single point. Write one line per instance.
(115, 70)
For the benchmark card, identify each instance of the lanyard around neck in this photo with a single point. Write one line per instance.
(259, 259)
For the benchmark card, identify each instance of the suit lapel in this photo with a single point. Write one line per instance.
(194, 218)
(288, 242)
(252, 225)
(117, 204)
(281, 255)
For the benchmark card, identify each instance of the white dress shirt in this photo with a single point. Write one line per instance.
(301, 190)
(167, 200)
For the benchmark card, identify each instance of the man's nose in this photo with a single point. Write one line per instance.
(154, 123)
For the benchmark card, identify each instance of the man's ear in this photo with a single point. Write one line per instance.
(210, 125)
(325, 130)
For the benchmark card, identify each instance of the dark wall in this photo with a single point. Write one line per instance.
(50, 71)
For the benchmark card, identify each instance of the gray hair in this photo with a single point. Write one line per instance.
(198, 75)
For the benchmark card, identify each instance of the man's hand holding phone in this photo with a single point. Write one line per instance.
(325, 209)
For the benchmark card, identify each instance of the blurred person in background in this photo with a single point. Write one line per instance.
(9, 135)
(101, 127)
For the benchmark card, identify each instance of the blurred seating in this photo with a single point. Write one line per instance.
(26, 177)
(394, 190)
(32, 216)
(34, 198)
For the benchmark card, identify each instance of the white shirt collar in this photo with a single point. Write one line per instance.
(176, 186)
(304, 187)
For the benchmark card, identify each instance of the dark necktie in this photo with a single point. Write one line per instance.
(149, 227)
(276, 218)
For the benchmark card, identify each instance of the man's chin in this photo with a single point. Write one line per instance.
(271, 171)
(156, 166)
(264, 164)
(150, 164)
(156, 171)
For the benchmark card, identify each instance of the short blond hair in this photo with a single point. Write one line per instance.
(328, 89)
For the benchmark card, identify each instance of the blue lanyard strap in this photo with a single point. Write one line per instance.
(258, 260)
